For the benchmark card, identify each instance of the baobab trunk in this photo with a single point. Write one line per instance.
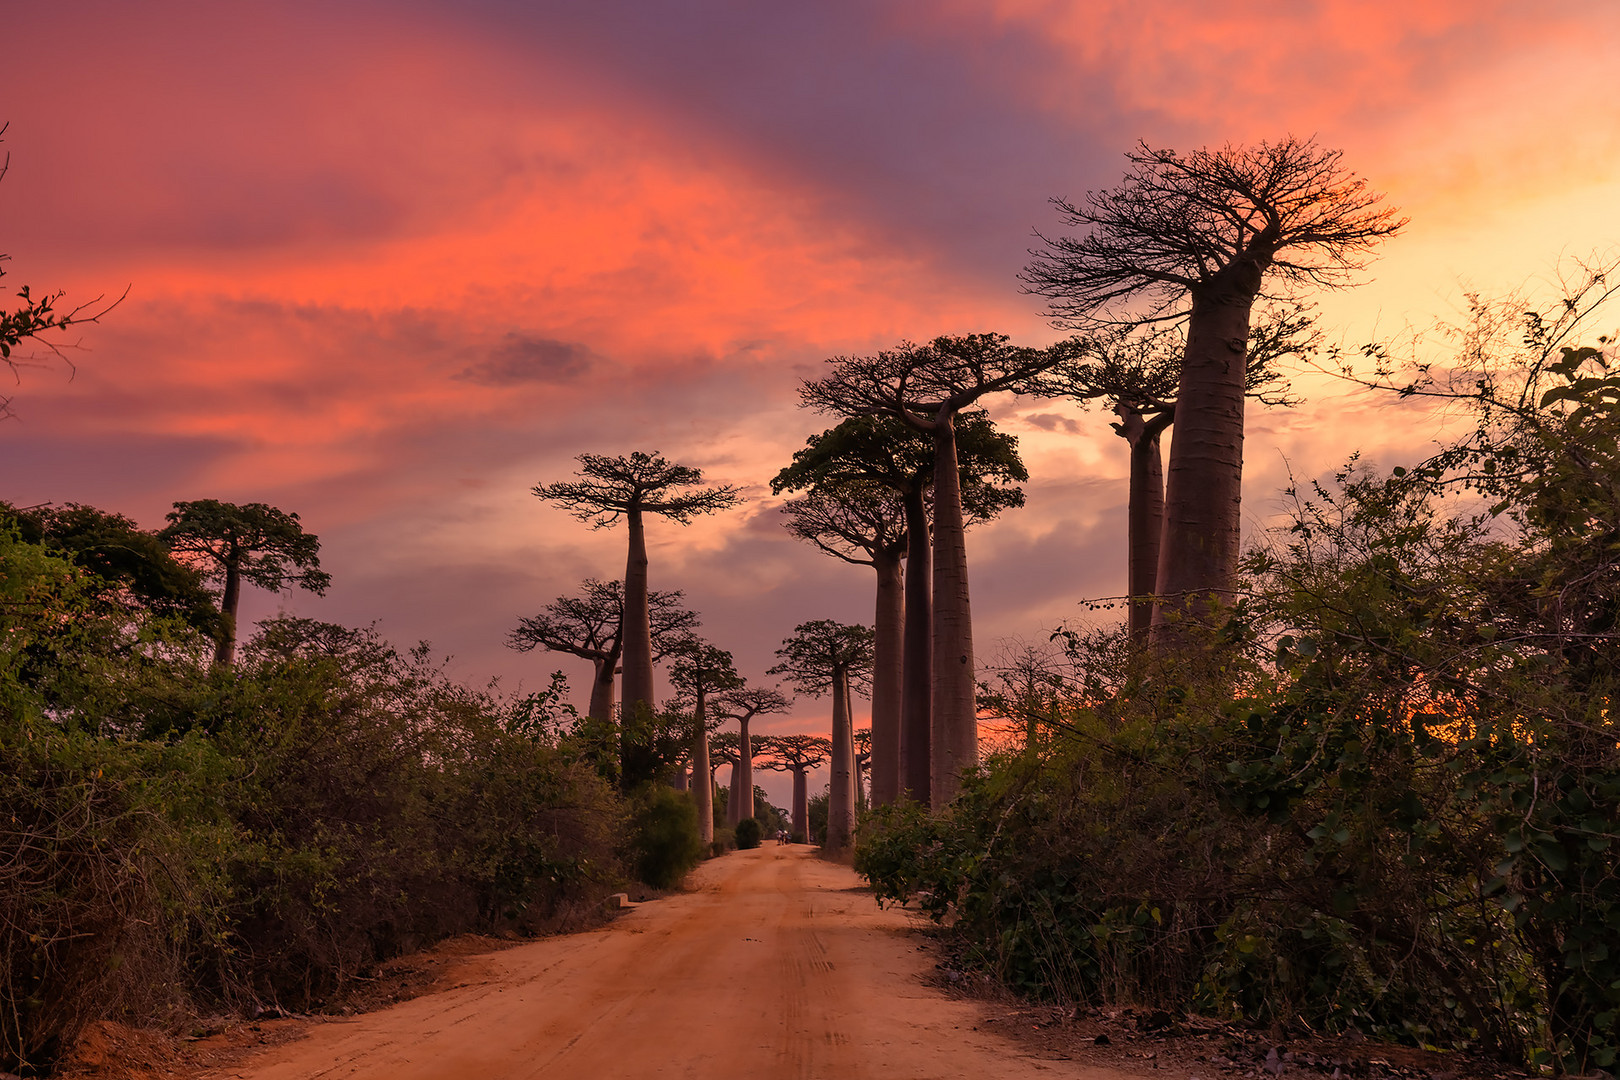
(225, 647)
(887, 652)
(1198, 554)
(917, 668)
(1146, 513)
(702, 774)
(636, 634)
(801, 803)
(745, 764)
(601, 707)
(734, 795)
(841, 789)
(956, 718)
(683, 779)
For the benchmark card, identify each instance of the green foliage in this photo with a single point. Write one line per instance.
(176, 836)
(1385, 800)
(816, 816)
(664, 839)
(748, 833)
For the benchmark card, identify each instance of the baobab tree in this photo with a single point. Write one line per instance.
(926, 387)
(255, 543)
(632, 487)
(742, 705)
(827, 657)
(1137, 371)
(863, 761)
(590, 626)
(699, 673)
(1202, 236)
(869, 451)
(797, 754)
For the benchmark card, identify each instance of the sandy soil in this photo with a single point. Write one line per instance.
(775, 964)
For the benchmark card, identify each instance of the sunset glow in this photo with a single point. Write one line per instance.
(391, 267)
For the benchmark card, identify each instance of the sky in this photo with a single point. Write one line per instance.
(390, 265)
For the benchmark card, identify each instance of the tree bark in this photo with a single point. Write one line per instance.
(1146, 513)
(702, 774)
(745, 762)
(683, 779)
(887, 653)
(956, 718)
(801, 803)
(917, 667)
(841, 789)
(1198, 553)
(635, 635)
(225, 647)
(601, 707)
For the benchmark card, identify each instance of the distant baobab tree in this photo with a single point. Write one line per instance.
(590, 626)
(863, 761)
(1199, 236)
(797, 754)
(827, 657)
(255, 543)
(700, 672)
(1137, 372)
(926, 387)
(849, 461)
(742, 705)
(632, 487)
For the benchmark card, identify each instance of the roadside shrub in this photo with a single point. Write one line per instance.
(748, 833)
(724, 840)
(665, 842)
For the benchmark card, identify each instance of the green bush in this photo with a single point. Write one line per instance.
(665, 842)
(748, 833)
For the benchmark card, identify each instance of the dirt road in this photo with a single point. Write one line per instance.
(776, 965)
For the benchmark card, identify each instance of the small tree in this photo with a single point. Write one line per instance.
(700, 672)
(828, 657)
(797, 754)
(632, 487)
(1199, 235)
(255, 543)
(926, 387)
(742, 705)
(589, 626)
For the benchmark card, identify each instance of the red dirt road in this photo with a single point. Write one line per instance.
(777, 965)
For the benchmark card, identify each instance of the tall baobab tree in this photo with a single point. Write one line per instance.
(699, 673)
(742, 705)
(590, 626)
(865, 452)
(926, 387)
(1136, 371)
(1200, 236)
(827, 657)
(797, 754)
(255, 543)
(632, 487)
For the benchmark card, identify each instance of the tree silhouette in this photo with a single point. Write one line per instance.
(825, 657)
(864, 451)
(797, 754)
(701, 672)
(925, 387)
(632, 487)
(255, 543)
(138, 569)
(742, 705)
(590, 626)
(1199, 236)
(1137, 372)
